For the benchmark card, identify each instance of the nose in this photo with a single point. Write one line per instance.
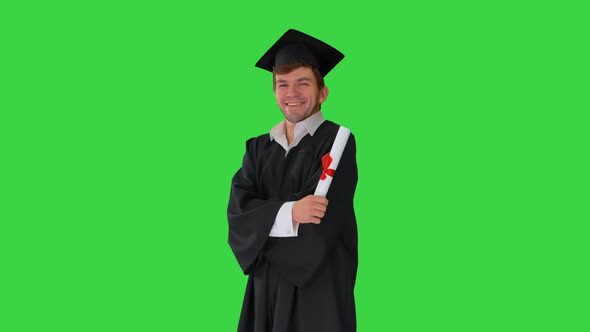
(292, 90)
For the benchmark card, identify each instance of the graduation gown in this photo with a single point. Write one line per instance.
(302, 283)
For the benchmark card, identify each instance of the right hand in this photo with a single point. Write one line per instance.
(310, 209)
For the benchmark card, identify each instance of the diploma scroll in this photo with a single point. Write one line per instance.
(331, 160)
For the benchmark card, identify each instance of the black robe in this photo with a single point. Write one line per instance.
(302, 283)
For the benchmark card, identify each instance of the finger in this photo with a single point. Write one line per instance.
(312, 219)
(321, 200)
(318, 198)
(319, 214)
(321, 208)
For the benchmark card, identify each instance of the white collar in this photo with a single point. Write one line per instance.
(307, 126)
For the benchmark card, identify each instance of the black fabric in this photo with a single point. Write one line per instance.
(295, 46)
(302, 283)
(296, 53)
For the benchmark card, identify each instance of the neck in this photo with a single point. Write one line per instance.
(290, 130)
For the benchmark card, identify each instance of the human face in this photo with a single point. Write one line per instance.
(297, 94)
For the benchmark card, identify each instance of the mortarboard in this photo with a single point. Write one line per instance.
(296, 46)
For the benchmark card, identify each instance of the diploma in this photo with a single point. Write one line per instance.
(330, 161)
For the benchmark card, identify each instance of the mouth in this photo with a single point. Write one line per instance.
(294, 104)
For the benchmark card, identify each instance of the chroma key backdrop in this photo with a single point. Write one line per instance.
(122, 123)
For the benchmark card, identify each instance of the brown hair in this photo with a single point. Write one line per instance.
(285, 69)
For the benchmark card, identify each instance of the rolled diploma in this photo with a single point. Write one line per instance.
(336, 154)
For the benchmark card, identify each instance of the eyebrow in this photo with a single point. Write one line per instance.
(298, 80)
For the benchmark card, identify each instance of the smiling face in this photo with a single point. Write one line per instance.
(298, 95)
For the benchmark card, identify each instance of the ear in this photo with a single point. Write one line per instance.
(324, 94)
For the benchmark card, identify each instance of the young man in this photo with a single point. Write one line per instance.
(299, 250)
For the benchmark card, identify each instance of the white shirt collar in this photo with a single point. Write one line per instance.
(307, 126)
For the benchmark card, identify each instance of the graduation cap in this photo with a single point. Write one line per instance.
(297, 47)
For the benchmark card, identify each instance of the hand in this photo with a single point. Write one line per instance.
(310, 209)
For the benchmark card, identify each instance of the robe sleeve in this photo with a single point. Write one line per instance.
(250, 216)
(299, 258)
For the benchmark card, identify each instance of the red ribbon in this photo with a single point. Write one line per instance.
(326, 161)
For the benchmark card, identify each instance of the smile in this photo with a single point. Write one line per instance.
(294, 104)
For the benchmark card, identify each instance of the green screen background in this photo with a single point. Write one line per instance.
(122, 123)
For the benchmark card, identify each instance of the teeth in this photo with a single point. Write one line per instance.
(294, 104)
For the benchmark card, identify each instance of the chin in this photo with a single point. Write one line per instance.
(293, 119)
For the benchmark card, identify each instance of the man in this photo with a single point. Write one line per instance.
(299, 250)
